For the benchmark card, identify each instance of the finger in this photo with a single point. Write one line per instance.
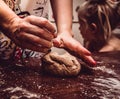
(37, 48)
(41, 22)
(32, 29)
(34, 40)
(27, 45)
(87, 59)
(90, 60)
(84, 54)
(75, 46)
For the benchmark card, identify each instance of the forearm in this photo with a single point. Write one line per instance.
(62, 10)
(6, 18)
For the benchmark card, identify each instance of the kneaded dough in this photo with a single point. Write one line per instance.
(61, 65)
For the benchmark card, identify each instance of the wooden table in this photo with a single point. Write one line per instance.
(103, 82)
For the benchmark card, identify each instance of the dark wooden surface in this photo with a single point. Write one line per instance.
(103, 82)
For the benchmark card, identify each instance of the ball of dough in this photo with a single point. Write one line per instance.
(61, 65)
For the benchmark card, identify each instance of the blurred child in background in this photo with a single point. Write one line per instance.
(98, 18)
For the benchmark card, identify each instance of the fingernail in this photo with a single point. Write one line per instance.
(94, 63)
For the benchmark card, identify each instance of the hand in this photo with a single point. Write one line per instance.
(31, 32)
(65, 40)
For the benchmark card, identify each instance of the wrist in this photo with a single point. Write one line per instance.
(8, 17)
(14, 24)
(66, 32)
(10, 26)
(65, 27)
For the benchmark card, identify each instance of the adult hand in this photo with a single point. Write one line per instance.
(65, 40)
(31, 32)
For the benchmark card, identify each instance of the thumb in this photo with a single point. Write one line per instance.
(56, 42)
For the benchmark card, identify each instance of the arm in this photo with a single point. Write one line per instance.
(62, 10)
(31, 32)
(7, 16)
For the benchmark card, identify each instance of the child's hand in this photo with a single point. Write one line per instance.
(65, 40)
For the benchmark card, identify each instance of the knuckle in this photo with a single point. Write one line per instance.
(49, 45)
(23, 25)
(29, 17)
(76, 48)
(44, 21)
(41, 31)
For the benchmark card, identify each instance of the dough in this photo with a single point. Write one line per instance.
(61, 65)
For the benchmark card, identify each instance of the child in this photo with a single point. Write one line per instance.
(98, 18)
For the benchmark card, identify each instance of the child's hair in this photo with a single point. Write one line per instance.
(105, 13)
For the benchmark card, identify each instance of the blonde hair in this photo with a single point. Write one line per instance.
(101, 12)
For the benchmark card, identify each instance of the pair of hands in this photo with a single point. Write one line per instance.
(38, 34)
